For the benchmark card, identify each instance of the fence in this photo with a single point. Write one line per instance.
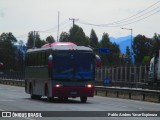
(130, 76)
(124, 75)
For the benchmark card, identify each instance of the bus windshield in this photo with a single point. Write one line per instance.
(73, 65)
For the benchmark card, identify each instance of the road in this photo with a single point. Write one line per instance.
(14, 98)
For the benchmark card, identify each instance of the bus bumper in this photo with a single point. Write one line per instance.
(72, 91)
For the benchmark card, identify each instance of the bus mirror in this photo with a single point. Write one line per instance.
(50, 61)
(98, 62)
(1, 65)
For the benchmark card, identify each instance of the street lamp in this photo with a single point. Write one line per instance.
(131, 39)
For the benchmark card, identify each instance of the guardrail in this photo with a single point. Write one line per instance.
(12, 82)
(116, 92)
(129, 93)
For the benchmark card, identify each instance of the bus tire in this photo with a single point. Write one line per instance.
(49, 99)
(65, 98)
(31, 93)
(38, 97)
(83, 99)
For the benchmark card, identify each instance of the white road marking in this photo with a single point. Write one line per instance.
(114, 105)
(28, 118)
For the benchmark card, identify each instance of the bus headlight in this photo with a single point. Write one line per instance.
(89, 85)
(58, 85)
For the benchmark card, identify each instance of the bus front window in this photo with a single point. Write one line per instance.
(73, 66)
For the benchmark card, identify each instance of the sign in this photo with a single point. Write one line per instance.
(104, 50)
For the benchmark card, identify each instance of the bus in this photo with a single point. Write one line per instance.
(60, 69)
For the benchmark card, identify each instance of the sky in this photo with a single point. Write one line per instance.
(104, 16)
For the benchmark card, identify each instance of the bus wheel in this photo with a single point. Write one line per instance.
(60, 98)
(65, 98)
(31, 94)
(83, 99)
(50, 99)
(38, 97)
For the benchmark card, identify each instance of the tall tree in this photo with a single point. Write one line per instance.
(38, 41)
(64, 37)
(156, 42)
(113, 57)
(34, 40)
(30, 40)
(128, 55)
(77, 36)
(50, 39)
(105, 42)
(142, 46)
(93, 39)
(7, 37)
(7, 50)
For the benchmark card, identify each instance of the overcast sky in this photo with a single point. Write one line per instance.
(22, 16)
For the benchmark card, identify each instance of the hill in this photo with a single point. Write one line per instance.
(123, 42)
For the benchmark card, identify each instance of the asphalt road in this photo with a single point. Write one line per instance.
(14, 98)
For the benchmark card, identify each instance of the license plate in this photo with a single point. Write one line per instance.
(73, 93)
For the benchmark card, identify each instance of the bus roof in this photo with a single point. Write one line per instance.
(58, 43)
(61, 47)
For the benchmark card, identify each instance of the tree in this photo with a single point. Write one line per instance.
(142, 46)
(30, 40)
(156, 42)
(7, 37)
(113, 57)
(64, 37)
(146, 60)
(93, 39)
(77, 36)
(50, 39)
(105, 42)
(128, 55)
(7, 50)
(38, 42)
(34, 39)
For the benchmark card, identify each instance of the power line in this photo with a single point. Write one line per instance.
(136, 17)
(61, 28)
(135, 14)
(130, 20)
(122, 24)
(53, 28)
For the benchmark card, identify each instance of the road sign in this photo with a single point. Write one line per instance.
(104, 50)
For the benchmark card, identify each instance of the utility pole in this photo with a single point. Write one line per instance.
(131, 40)
(73, 19)
(58, 28)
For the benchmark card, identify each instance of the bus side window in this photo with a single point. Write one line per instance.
(42, 58)
(39, 59)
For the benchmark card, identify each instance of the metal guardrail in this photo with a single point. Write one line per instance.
(116, 92)
(12, 82)
(129, 93)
